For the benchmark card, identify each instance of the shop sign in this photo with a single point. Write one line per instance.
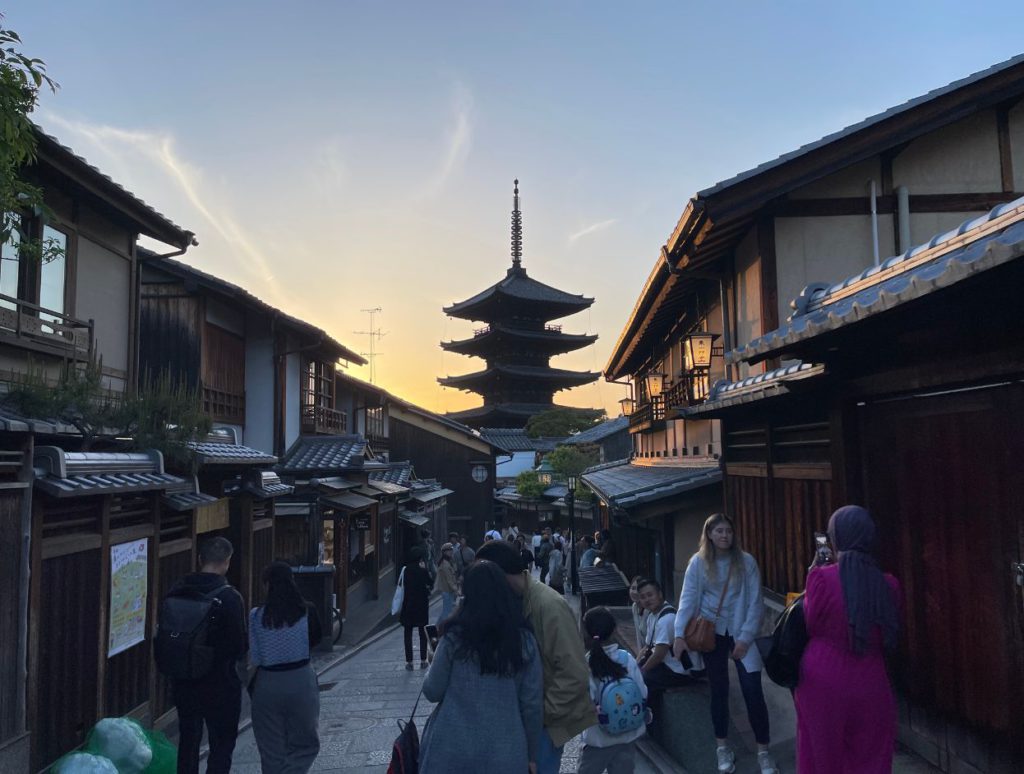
(361, 521)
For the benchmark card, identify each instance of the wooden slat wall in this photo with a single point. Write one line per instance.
(173, 566)
(223, 360)
(169, 335)
(802, 507)
(68, 653)
(10, 585)
(263, 555)
(749, 504)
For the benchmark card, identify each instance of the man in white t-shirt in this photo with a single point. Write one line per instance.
(492, 534)
(659, 667)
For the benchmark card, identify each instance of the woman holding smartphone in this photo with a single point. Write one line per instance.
(486, 674)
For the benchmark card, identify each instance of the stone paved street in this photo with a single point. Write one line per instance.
(361, 701)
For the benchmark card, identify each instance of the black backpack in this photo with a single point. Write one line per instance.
(181, 647)
(784, 649)
(405, 752)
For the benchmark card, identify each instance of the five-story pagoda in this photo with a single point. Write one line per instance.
(517, 343)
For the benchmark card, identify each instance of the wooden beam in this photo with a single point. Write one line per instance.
(769, 281)
(103, 609)
(861, 205)
(1005, 151)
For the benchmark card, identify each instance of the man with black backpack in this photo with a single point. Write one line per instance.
(200, 638)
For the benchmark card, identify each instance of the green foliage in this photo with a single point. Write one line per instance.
(562, 422)
(573, 460)
(528, 484)
(162, 416)
(21, 78)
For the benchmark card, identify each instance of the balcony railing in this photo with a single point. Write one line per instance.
(223, 406)
(648, 417)
(323, 420)
(676, 395)
(44, 329)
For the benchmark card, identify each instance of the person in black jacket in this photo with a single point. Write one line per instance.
(415, 605)
(215, 699)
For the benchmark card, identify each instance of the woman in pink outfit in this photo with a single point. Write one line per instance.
(846, 711)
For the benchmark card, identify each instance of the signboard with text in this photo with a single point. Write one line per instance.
(129, 570)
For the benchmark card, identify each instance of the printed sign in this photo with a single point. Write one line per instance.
(129, 569)
(361, 521)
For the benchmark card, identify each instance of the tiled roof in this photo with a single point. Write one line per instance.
(517, 285)
(230, 454)
(109, 483)
(15, 423)
(325, 453)
(556, 490)
(413, 518)
(386, 487)
(168, 231)
(503, 412)
(514, 439)
(348, 501)
(431, 495)
(241, 294)
(262, 484)
(397, 473)
(766, 385)
(860, 125)
(624, 485)
(186, 496)
(977, 245)
(599, 431)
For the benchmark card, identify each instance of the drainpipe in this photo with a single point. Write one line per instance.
(903, 209)
(874, 222)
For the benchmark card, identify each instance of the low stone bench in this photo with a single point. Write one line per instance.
(682, 726)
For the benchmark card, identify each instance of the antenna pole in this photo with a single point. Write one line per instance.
(375, 334)
(517, 229)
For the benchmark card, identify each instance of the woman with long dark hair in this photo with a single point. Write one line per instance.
(487, 675)
(845, 709)
(415, 603)
(722, 584)
(609, 745)
(285, 696)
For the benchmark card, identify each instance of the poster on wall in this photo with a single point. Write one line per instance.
(129, 568)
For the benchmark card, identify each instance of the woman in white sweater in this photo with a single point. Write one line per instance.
(723, 584)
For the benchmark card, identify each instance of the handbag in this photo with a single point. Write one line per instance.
(399, 598)
(405, 752)
(700, 632)
(784, 649)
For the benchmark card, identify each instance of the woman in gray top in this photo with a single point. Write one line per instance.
(486, 673)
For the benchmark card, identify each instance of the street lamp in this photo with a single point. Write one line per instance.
(570, 499)
(655, 383)
(697, 350)
(628, 404)
(544, 472)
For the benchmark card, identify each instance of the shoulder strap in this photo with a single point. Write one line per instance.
(725, 588)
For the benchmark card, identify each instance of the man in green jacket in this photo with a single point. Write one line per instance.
(568, 709)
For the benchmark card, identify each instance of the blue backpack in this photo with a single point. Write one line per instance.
(621, 708)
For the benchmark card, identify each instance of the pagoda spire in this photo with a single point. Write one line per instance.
(517, 230)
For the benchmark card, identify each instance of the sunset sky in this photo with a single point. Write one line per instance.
(336, 156)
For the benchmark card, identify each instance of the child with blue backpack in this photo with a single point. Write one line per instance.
(618, 691)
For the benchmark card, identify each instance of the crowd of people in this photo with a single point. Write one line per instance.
(515, 676)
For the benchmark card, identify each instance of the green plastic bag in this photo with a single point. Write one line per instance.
(165, 754)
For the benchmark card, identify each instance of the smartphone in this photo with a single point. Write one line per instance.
(431, 630)
(820, 540)
(822, 550)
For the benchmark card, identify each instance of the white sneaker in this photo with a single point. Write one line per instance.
(726, 760)
(767, 763)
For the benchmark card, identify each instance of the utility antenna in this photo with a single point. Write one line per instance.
(375, 334)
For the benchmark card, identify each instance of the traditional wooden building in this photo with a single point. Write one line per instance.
(892, 385)
(517, 343)
(57, 671)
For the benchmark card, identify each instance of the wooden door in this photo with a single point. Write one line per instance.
(944, 479)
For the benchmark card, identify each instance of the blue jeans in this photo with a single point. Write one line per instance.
(549, 757)
(447, 605)
(717, 663)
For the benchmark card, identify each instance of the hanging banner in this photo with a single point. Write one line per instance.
(129, 570)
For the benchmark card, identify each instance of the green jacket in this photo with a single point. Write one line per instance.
(568, 709)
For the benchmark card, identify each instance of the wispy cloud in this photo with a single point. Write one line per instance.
(593, 228)
(458, 140)
(125, 147)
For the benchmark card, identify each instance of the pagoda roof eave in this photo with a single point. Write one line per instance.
(519, 289)
(556, 341)
(506, 414)
(537, 374)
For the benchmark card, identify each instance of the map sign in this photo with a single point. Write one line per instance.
(129, 566)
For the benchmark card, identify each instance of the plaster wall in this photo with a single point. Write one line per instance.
(747, 296)
(259, 385)
(103, 294)
(959, 158)
(229, 318)
(925, 225)
(1017, 145)
(852, 181)
(825, 249)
